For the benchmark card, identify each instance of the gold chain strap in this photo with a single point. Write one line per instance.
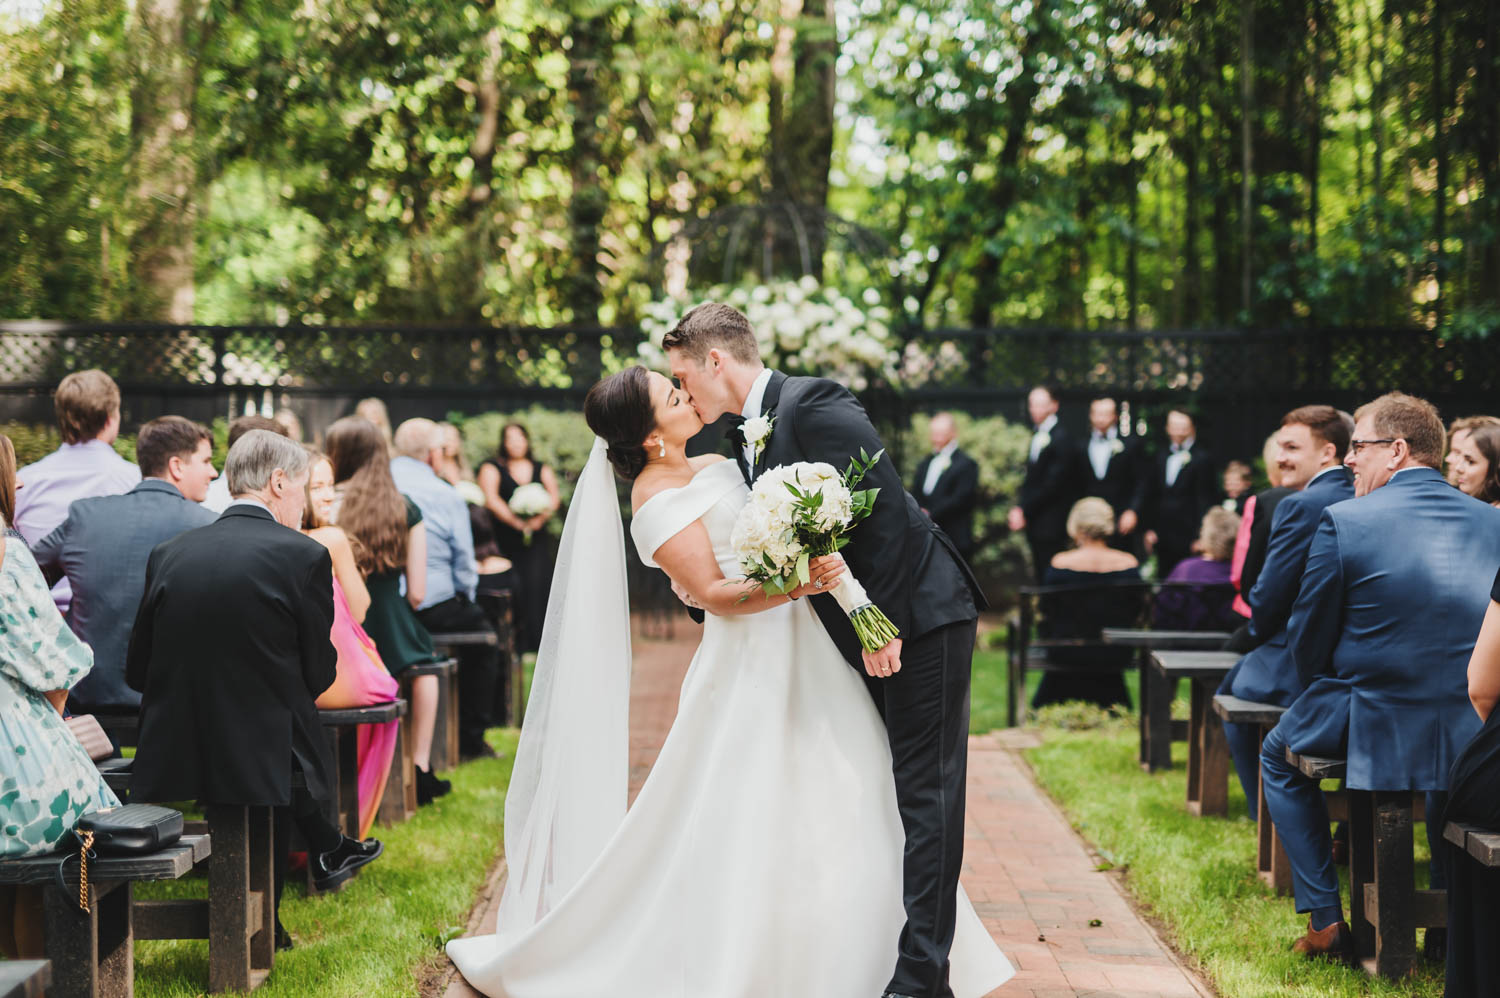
(83, 870)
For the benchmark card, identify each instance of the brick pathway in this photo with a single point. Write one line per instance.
(1030, 877)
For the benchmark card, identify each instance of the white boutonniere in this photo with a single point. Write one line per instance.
(1230, 505)
(757, 431)
(1186, 455)
(1117, 446)
(1043, 440)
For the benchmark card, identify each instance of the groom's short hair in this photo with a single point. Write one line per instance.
(711, 325)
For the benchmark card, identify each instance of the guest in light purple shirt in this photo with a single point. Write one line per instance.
(1198, 596)
(88, 413)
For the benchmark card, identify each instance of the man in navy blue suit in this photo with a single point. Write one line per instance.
(1310, 449)
(1395, 588)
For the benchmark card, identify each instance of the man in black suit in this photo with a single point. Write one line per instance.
(230, 649)
(1051, 484)
(946, 484)
(1184, 485)
(1114, 469)
(920, 680)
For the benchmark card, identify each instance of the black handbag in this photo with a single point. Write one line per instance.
(129, 829)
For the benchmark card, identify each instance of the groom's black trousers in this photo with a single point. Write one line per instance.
(926, 711)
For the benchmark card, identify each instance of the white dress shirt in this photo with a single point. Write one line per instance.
(751, 409)
(1101, 449)
(941, 462)
(1178, 458)
(1036, 437)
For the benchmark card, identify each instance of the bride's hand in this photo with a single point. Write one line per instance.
(823, 576)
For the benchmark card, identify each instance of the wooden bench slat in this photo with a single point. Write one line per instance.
(1316, 767)
(1429, 908)
(164, 864)
(1193, 664)
(24, 978)
(442, 668)
(458, 638)
(1232, 708)
(185, 918)
(1130, 637)
(373, 714)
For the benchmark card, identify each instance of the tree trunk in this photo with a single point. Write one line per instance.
(801, 134)
(1247, 158)
(1440, 154)
(589, 201)
(1192, 278)
(163, 140)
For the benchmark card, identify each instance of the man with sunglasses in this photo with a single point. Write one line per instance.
(1395, 587)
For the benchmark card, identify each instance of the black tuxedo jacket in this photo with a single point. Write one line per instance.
(1177, 509)
(1126, 478)
(1051, 486)
(230, 649)
(952, 499)
(908, 566)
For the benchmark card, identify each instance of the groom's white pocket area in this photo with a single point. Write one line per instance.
(802, 511)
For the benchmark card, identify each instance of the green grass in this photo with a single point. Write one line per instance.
(1196, 875)
(988, 693)
(383, 933)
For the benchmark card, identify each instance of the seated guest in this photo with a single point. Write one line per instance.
(448, 606)
(1197, 595)
(1116, 602)
(390, 547)
(946, 485)
(88, 413)
(1311, 447)
(1237, 482)
(229, 650)
(1381, 634)
(1460, 429)
(360, 677)
(1250, 542)
(103, 545)
(374, 410)
(1475, 467)
(218, 497)
(1474, 799)
(48, 781)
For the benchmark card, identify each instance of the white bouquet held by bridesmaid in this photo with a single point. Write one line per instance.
(531, 499)
(802, 511)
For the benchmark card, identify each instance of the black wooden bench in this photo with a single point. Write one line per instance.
(92, 953)
(445, 728)
(1158, 730)
(342, 729)
(1208, 749)
(238, 916)
(499, 606)
(24, 978)
(1385, 908)
(1270, 858)
(1482, 845)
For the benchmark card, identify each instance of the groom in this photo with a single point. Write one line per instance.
(920, 681)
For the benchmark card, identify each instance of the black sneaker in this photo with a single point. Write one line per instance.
(334, 867)
(429, 787)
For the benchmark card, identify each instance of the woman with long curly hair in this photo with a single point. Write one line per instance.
(389, 544)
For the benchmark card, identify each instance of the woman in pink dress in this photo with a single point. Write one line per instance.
(362, 679)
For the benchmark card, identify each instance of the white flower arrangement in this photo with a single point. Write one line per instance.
(801, 511)
(802, 327)
(531, 499)
(757, 431)
(1117, 446)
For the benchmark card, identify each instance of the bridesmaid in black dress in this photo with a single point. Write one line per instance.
(1474, 799)
(499, 477)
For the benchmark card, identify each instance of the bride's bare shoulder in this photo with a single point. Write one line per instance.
(704, 460)
(651, 483)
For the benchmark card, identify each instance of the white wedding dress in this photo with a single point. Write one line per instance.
(762, 857)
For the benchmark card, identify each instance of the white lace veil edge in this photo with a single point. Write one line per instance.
(569, 786)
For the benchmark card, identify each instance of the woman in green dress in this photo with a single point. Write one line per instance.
(47, 781)
(389, 548)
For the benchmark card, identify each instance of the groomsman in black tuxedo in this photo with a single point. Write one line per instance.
(1184, 485)
(946, 485)
(1114, 469)
(1051, 484)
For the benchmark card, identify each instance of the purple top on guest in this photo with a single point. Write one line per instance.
(49, 486)
(1185, 609)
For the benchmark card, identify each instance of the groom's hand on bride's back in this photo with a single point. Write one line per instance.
(884, 663)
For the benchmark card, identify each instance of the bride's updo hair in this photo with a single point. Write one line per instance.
(618, 410)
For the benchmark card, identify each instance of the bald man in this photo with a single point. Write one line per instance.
(946, 485)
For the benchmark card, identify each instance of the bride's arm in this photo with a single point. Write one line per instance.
(689, 560)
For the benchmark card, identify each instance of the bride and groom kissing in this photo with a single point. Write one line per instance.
(801, 832)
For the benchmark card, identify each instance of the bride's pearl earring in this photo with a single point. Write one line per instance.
(663, 451)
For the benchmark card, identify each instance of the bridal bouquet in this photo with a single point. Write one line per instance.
(802, 511)
(531, 499)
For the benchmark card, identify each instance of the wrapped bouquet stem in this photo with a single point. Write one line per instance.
(802, 511)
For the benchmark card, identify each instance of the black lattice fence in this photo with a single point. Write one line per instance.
(1238, 383)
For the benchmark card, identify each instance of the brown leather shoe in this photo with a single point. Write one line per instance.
(1335, 942)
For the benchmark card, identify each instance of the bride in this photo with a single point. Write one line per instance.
(762, 857)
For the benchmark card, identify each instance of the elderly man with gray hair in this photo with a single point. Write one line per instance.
(230, 649)
(448, 606)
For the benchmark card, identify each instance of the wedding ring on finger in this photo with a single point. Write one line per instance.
(818, 582)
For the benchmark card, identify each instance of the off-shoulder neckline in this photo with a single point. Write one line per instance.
(687, 484)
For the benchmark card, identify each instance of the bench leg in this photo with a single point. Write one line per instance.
(1157, 695)
(262, 848)
(449, 728)
(393, 809)
(441, 759)
(1271, 859)
(1361, 868)
(1390, 899)
(229, 888)
(348, 768)
(93, 954)
(1212, 750)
